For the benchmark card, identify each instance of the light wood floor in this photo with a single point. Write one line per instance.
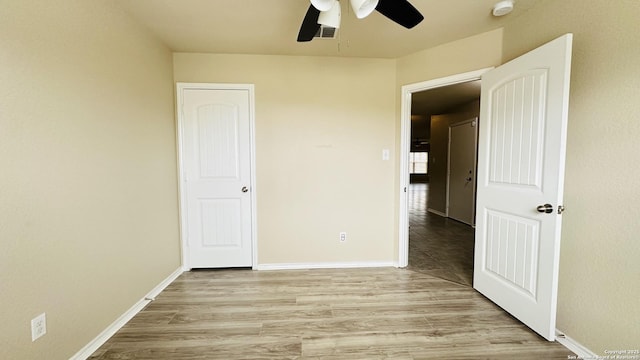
(380, 313)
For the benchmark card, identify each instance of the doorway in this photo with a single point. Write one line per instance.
(434, 243)
(462, 168)
(438, 246)
(216, 152)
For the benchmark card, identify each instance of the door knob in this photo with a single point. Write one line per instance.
(244, 189)
(546, 208)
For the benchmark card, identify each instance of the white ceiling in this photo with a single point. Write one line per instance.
(271, 26)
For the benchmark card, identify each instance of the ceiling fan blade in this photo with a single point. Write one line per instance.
(401, 12)
(310, 25)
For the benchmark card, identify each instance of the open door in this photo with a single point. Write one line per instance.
(521, 158)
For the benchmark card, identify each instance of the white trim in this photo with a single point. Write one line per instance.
(576, 347)
(446, 187)
(439, 213)
(405, 147)
(107, 333)
(182, 208)
(340, 265)
(180, 86)
(254, 199)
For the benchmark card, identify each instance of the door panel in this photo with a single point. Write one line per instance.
(462, 171)
(517, 130)
(512, 250)
(216, 160)
(218, 140)
(221, 226)
(521, 152)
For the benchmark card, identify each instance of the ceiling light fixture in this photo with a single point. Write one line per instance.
(362, 8)
(331, 17)
(399, 11)
(503, 8)
(323, 5)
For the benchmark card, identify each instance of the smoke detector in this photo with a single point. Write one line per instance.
(503, 8)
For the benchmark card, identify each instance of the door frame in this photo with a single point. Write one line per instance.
(180, 87)
(475, 166)
(405, 144)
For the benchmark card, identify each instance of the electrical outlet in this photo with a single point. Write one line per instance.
(343, 236)
(38, 326)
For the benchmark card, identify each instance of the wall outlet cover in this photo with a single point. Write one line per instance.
(38, 326)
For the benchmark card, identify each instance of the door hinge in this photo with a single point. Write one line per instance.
(405, 189)
(560, 209)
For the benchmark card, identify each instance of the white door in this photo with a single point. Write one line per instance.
(523, 124)
(462, 171)
(216, 180)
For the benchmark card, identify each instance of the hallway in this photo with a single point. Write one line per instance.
(438, 246)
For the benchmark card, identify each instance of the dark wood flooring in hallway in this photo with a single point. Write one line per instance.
(438, 246)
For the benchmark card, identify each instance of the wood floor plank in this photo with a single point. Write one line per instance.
(344, 326)
(364, 346)
(183, 334)
(280, 349)
(247, 313)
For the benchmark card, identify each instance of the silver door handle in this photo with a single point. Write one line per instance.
(546, 208)
(244, 189)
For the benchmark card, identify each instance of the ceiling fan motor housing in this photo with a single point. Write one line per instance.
(323, 5)
(362, 8)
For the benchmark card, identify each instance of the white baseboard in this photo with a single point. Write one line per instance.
(440, 213)
(99, 340)
(576, 347)
(341, 265)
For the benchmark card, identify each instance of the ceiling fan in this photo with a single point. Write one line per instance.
(327, 12)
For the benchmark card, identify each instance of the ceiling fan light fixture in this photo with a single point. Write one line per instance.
(362, 8)
(323, 5)
(331, 17)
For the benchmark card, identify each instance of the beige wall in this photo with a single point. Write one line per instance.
(599, 290)
(439, 154)
(472, 53)
(88, 209)
(321, 125)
